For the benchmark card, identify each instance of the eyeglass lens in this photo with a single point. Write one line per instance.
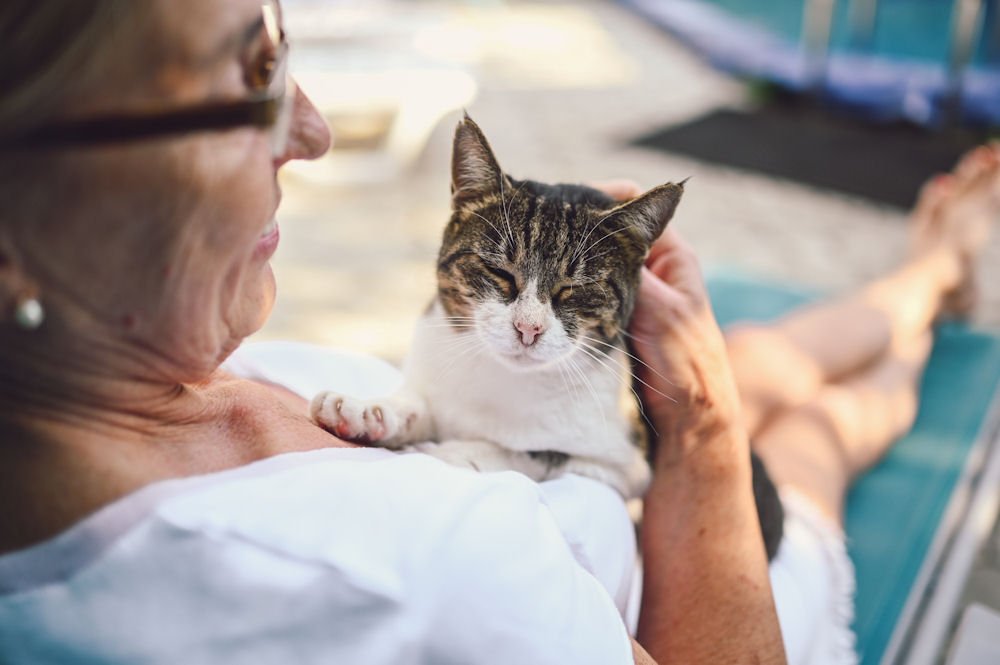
(282, 86)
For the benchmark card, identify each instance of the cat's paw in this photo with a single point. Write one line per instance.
(369, 422)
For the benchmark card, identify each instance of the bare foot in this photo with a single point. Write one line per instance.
(953, 217)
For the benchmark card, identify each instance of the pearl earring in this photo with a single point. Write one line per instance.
(29, 314)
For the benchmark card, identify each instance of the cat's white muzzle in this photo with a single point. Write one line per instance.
(496, 327)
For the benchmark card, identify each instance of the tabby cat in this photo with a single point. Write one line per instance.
(520, 362)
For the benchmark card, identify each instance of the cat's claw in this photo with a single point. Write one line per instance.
(359, 421)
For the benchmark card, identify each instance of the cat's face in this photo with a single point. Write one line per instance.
(538, 271)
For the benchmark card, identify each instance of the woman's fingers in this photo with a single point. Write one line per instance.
(669, 242)
(620, 189)
(655, 291)
(673, 261)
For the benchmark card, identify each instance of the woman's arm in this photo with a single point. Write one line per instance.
(706, 595)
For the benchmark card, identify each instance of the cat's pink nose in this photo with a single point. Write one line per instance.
(530, 332)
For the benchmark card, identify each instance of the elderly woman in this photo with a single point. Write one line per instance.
(161, 509)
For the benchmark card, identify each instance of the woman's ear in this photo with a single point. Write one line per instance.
(475, 172)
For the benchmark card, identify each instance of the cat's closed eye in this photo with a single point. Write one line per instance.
(562, 294)
(508, 283)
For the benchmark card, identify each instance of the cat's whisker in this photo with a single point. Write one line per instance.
(492, 226)
(454, 365)
(596, 356)
(638, 399)
(592, 350)
(449, 356)
(598, 351)
(604, 290)
(602, 239)
(576, 252)
(516, 192)
(602, 254)
(506, 213)
(458, 352)
(635, 358)
(571, 364)
(465, 319)
(460, 340)
(635, 338)
(461, 332)
(508, 206)
(570, 388)
(592, 280)
(460, 325)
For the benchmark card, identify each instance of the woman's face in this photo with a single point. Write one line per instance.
(165, 250)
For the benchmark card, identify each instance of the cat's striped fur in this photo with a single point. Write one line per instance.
(539, 281)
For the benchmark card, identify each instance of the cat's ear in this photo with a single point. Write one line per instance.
(649, 213)
(474, 169)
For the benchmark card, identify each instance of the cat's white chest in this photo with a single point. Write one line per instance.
(462, 404)
(573, 406)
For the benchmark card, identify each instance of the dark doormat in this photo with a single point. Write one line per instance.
(813, 146)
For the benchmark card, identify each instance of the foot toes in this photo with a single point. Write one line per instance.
(931, 195)
(974, 161)
(961, 302)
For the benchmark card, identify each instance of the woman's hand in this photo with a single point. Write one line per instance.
(706, 593)
(689, 390)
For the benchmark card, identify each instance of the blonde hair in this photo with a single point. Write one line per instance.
(53, 50)
(56, 52)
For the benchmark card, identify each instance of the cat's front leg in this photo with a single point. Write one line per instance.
(470, 454)
(485, 456)
(387, 422)
(631, 478)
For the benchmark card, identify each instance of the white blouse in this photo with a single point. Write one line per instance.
(364, 556)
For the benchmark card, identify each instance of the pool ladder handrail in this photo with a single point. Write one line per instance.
(967, 22)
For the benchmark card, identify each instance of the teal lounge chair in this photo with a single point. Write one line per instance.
(916, 521)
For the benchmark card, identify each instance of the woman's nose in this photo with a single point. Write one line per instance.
(309, 136)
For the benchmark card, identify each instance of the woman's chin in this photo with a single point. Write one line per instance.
(270, 293)
(257, 308)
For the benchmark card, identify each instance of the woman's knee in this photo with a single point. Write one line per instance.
(770, 368)
(857, 421)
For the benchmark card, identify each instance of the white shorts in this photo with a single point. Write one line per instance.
(813, 582)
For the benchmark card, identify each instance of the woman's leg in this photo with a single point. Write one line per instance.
(785, 364)
(828, 389)
(821, 446)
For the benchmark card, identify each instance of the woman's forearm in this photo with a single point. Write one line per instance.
(706, 591)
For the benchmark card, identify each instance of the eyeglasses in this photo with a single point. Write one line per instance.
(269, 108)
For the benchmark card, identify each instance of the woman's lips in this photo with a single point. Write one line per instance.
(267, 243)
